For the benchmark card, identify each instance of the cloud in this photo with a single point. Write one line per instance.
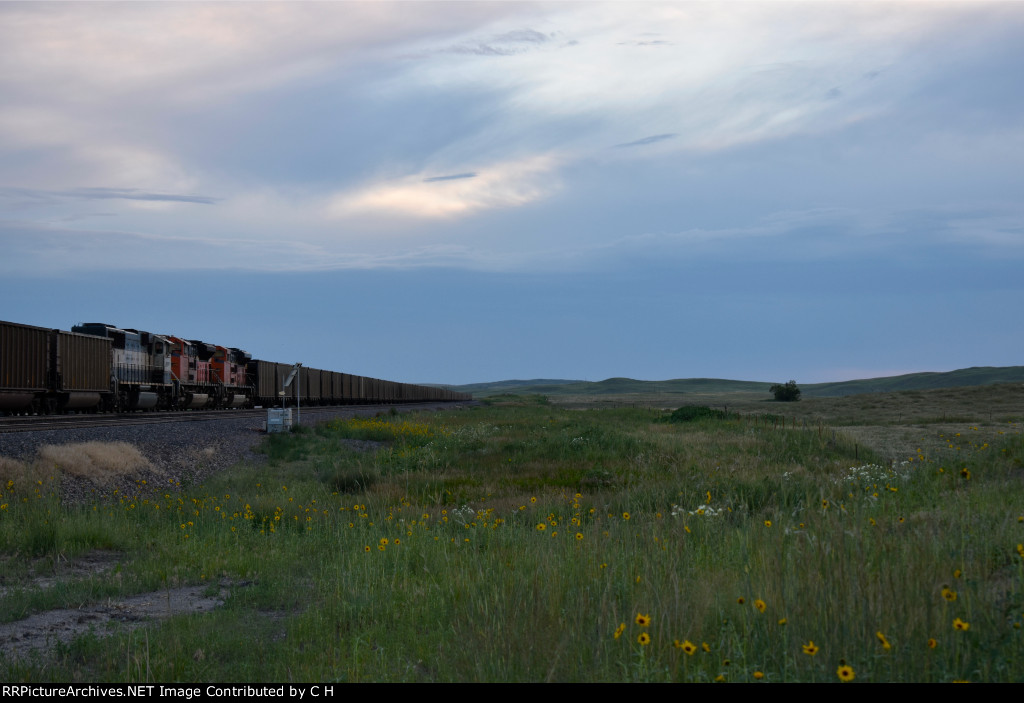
(647, 140)
(482, 50)
(653, 42)
(184, 51)
(453, 177)
(335, 122)
(505, 44)
(97, 93)
(106, 194)
(56, 249)
(501, 185)
(531, 36)
(136, 194)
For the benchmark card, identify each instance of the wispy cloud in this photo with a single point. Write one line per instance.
(453, 177)
(645, 42)
(648, 140)
(504, 44)
(97, 193)
(57, 249)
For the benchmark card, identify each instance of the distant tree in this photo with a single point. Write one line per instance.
(785, 392)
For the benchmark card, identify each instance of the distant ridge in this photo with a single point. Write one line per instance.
(974, 376)
(500, 386)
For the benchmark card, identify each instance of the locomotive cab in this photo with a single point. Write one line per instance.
(139, 366)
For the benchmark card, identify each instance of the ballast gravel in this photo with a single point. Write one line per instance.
(181, 453)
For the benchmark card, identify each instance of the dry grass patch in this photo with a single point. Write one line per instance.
(17, 472)
(899, 443)
(97, 461)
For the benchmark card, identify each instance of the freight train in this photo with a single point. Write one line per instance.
(97, 367)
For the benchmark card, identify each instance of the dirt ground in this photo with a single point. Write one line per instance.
(38, 634)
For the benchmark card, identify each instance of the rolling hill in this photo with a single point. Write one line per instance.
(974, 376)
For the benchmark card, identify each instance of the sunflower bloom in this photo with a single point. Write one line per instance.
(845, 673)
(758, 675)
(949, 594)
(884, 642)
(810, 649)
(644, 639)
(643, 620)
(760, 605)
(960, 625)
(619, 630)
(933, 643)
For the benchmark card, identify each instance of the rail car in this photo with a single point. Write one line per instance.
(97, 367)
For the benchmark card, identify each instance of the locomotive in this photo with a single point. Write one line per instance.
(97, 367)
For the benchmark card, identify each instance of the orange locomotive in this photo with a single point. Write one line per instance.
(207, 375)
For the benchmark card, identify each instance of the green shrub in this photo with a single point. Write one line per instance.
(786, 393)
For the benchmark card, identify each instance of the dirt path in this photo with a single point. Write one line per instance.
(40, 633)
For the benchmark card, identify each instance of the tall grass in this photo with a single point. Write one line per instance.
(528, 542)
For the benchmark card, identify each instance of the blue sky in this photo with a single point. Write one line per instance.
(459, 192)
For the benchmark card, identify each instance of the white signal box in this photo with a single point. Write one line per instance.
(279, 420)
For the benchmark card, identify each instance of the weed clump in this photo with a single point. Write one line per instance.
(693, 413)
(356, 479)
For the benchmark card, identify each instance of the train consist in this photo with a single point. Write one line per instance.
(100, 368)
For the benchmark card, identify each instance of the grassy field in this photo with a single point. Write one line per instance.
(877, 539)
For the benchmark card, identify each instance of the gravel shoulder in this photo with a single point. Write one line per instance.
(181, 453)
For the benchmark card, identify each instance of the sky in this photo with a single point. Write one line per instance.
(459, 192)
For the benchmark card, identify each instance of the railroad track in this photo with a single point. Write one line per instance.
(37, 423)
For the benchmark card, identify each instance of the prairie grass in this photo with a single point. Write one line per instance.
(528, 542)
